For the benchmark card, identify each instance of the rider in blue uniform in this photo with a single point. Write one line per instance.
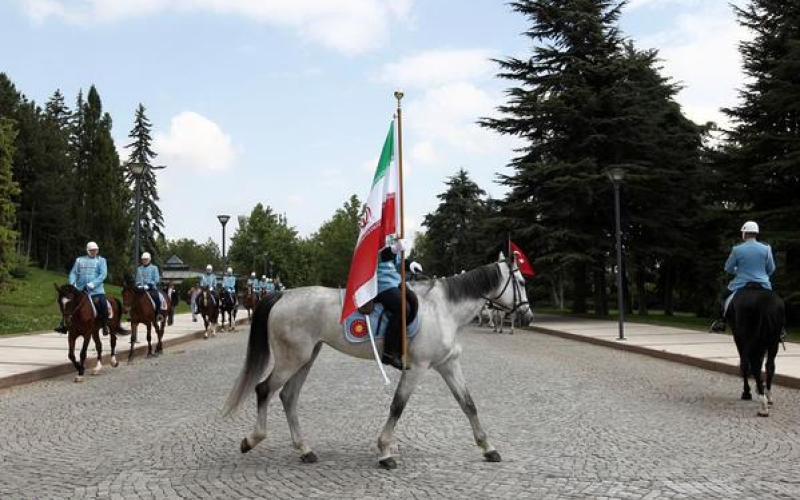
(148, 278)
(229, 285)
(270, 286)
(263, 283)
(207, 282)
(88, 274)
(751, 263)
(252, 283)
(390, 295)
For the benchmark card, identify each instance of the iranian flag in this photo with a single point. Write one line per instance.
(378, 220)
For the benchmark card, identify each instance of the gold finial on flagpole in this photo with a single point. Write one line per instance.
(398, 94)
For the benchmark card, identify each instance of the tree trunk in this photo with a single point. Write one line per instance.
(579, 288)
(668, 272)
(30, 232)
(641, 288)
(600, 293)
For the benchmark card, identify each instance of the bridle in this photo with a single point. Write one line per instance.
(515, 286)
(77, 296)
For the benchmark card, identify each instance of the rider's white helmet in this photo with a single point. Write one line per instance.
(750, 227)
(230, 271)
(146, 256)
(253, 274)
(209, 268)
(263, 276)
(92, 246)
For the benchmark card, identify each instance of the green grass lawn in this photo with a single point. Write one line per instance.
(687, 321)
(29, 305)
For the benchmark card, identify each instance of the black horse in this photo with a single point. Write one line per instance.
(757, 318)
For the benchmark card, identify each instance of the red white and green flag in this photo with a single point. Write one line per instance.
(379, 219)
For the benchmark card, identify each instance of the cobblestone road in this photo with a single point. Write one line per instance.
(570, 419)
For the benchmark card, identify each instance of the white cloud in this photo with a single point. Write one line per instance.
(424, 153)
(349, 26)
(701, 52)
(437, 67)
(195, 142)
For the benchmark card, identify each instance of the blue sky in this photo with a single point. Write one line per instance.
(287, 102)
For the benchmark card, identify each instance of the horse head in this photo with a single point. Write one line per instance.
(512, 296)
(69, 300)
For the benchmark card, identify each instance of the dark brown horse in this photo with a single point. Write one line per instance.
(142, 310)
(208, 307)
(250, 301)
(80, 321)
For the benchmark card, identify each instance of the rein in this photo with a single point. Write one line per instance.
(517, 303)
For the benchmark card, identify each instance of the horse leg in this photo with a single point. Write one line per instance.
(771, 353)
(98, 345)
(134, 328)
(289, 396)
(285, 368)
(114, 362)
(408, 383)
(149, 338)
(451, 372)
(744, 368)
(71, 354)
(160, 335)
(81, 367)
(756, 360)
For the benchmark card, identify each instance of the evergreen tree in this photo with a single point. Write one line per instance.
(762, 167)
(587, 102)
(454, 240)
(107, 196)
(334, 242)
(8, 191)
(151, 220)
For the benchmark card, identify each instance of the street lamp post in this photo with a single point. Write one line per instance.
(223, 219)
(616, 175)
(138, 171)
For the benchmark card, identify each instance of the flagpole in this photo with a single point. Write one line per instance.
(404, 336)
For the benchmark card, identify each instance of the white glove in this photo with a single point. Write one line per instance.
(90, 286)
(399, 246)
(415, 267)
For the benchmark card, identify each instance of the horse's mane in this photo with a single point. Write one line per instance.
(473, 284)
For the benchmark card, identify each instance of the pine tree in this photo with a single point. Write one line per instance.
(586, 102)
(151, 221)
(762, 167)
(8, 191)
(107, 196)
(453, 236)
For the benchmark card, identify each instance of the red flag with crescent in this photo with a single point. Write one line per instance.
(524, 264)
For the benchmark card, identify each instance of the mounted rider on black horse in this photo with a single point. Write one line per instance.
(752, 264)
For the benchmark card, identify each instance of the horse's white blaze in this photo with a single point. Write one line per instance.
(64, 301)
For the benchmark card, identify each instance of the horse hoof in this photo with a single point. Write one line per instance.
(205, 335)
(245, 446)
(770, 403)
(763, 413)
(388, 463)
(746, 396)
(78, 379)
(492, 456)
(309, 458)
(114, 362)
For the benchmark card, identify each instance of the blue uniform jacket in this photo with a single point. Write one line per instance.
(388, 274)
(229, 283)
(255, 283)
(147, 276)
(751, 262)
(89, 270)
(209, 280)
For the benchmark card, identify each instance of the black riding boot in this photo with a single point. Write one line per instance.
(61, 328)
(718, 326)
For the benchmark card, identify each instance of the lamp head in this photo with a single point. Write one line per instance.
(223, 219)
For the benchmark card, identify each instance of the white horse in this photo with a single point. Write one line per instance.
(291, 328)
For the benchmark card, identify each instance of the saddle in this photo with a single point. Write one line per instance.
(109, 307)
(160, 296)
(355, 326)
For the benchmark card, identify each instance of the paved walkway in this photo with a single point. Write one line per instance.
(570, 419)
(706, 350)
(25, 358)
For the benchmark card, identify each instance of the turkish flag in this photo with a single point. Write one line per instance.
(525, 266)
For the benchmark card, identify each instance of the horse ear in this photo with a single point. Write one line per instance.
(56, 287)
(501, 257)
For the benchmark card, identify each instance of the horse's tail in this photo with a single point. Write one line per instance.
(257, 355)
